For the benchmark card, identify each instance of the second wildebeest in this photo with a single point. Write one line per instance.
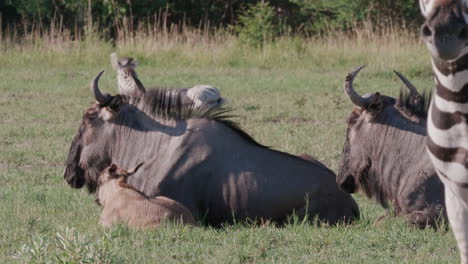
(385, 156)
(202, 159)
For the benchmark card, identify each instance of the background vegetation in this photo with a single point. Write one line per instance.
(47, 64)
(298, 16)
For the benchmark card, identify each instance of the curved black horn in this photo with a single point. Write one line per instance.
(351, 93)
(100, 97)
(407, 83)
(132, 171)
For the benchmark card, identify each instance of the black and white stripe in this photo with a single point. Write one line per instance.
(447, 142)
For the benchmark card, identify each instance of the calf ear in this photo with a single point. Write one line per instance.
(113, 168)
(132, 171)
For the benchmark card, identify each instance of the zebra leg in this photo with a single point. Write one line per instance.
(458, 217)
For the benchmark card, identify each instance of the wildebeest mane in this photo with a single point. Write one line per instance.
(415, 105)
(174, 105)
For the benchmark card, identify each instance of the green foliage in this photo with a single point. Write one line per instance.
(305, 16)
(257, 25)
(318, 16)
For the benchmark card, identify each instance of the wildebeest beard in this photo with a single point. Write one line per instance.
(74, 174)
(77, 174)
(358, 175)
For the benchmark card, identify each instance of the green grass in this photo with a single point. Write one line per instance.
(288, 96)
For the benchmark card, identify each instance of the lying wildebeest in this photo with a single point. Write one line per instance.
(202, 160)
(129, 84)
(124, 204)
(385, 154)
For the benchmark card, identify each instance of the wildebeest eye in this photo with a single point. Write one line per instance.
(115, 103)
(114, 107)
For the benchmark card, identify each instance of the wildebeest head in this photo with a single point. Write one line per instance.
(372, 115)
(89, 148)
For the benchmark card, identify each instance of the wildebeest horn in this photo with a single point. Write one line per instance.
(352, 94)
(101, 98)
(407, 83)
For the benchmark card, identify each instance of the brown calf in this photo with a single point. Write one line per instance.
(124, 204)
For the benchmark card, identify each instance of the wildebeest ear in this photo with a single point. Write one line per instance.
(113, 168)
(375, 104)
(115, 103)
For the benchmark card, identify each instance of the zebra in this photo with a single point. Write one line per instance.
(129, 84)
(445, 32)
(127, 78)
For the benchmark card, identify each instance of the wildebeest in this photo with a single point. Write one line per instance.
(201, 159)
(124, 204)
(129, 84)
(384, 154)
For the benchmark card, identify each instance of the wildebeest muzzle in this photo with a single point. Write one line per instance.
(349, 184)
(74, 174)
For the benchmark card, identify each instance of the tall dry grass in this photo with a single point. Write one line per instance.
(379, 45)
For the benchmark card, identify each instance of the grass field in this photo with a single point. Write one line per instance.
(288, 95)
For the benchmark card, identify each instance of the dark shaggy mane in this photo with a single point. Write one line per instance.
(175, 105)
(414, 105)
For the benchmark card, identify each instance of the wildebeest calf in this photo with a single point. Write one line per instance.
(124, 204)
